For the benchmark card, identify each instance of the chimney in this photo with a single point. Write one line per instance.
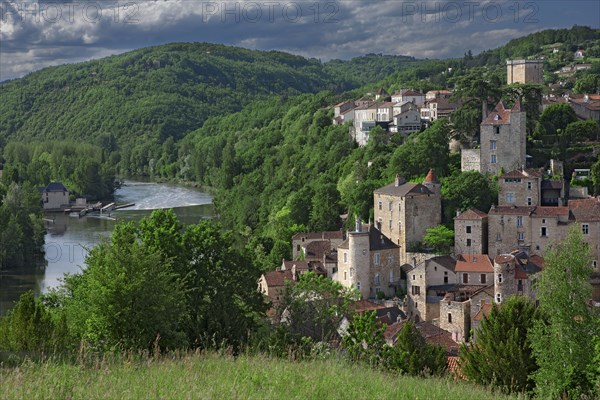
(399, 180)
(357, 227)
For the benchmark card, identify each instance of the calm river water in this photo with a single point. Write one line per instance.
(69, 237)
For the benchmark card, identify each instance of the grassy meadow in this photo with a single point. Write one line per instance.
(215, 376)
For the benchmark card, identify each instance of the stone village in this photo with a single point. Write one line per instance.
(497, 252)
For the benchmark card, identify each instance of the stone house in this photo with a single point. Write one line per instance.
(522, 187)
(437, 108)
(433, 335)
(369, 262)
(586, 106)
(515, 274)
(365, 117)
(474, 269)
(423, 282)
(301, 240)
(271, 284)
(502, 142)
(587, 213)
(471, 232)
(55, 196)
(437, 94)
(405, 210)
(409, 95)
(343, 112)
(407, 118)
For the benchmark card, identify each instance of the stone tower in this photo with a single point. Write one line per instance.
(504, 277)
(524, 71)
(359, 259)
(502, 140)
(471, 232)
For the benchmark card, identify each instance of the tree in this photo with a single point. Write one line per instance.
(413, 355)
(530, 96)
(315, 306)
(503, 338)
(580, 131)
(561, 341)
(589, 83)
(554, 118)
(596, 176)
(439, 238)
(464, 190)
(128, 296)
(364, 339)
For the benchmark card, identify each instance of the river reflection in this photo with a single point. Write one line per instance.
(69, 237)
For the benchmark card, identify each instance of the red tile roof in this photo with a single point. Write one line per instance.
(546, 211)
(361, 306)
(278, 278)
(511, 210)
(431, 177)
(586, 210)
(500, 115)
(474, 263)
(484, 311)
(522, 173)
(504, 258)
(471, 214)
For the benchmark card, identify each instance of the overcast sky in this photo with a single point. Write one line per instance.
(35, 35)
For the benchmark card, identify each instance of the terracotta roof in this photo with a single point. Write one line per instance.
(500, 115)
(471, 214)
(520, 273)
(511, 210)
(361, 306)
(431, 177)
(484, 311)
(326, 235)
(522, 173)
(278, 278)
(445, 261)
(317, 249)
(454, 367)
(504, 258)
(406, 189)
(548, 211)
(474, 263)
(585, 210)
(538, 261)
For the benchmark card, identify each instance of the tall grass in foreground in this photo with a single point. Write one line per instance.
(217, 376)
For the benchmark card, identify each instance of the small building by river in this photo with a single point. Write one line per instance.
(55, 196)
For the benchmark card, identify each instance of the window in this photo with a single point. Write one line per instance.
(468, 228)
(380, 205)
(544, 231)
(297, 247)
(390, 206)
(585, 228)
(377, 280)
(400, 207)
(498, 237)
(529, 201)
(492, 145)
(497, 130)
(493, 159)
(498, 298)
(528, 185)
(449, 318)
(345, 258)
(445, 277)
(391, 275)
(399, 226)
(520, 236)
(416, 290)
(510, 198)
(499, 278)
(594, 263)
(376, 259)
(468, 242)
(520, 285)
(345, 275)
(358, 285)
(519, 221)
(351, 272)
(483, 278)
(414, 277)
(465, 278)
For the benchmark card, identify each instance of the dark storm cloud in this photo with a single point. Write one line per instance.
(34, 35)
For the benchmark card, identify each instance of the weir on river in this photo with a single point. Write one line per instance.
(69, 238)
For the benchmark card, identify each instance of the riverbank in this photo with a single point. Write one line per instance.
(218, 376)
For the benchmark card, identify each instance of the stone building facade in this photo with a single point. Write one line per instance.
(471, 232)
(455, 317)
(405, 210)
(525, 71)
(369, 262)
(520, 187)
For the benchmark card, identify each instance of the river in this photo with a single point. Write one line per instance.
(68, 237)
